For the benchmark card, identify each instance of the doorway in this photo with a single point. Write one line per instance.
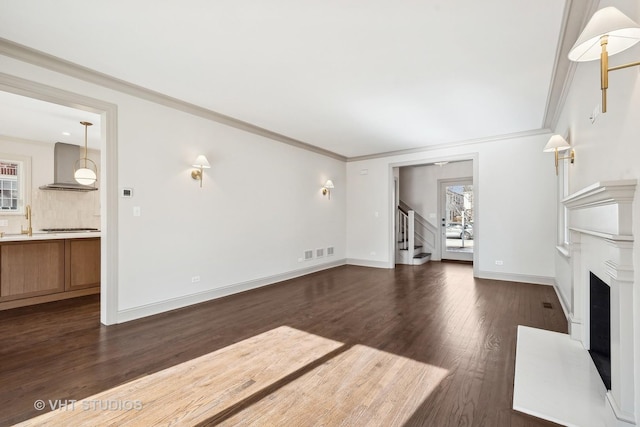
(108, 175)
(457, 219)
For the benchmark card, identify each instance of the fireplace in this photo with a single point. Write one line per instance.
(600, 327)
(601, 311)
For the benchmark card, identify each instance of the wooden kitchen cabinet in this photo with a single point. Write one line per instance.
(29, 269)
(84, 263)
(37, 271)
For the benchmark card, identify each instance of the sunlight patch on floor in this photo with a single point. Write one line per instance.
(360, 386)
(281, 377)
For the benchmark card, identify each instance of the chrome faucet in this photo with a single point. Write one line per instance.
(28, 231)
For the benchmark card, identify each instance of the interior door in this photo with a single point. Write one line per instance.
(457, 219)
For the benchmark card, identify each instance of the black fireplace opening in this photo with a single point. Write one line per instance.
(600, 327)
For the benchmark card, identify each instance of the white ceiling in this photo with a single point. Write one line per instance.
(34, 120)
(352, 77)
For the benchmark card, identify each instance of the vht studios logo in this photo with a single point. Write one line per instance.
(88, 405)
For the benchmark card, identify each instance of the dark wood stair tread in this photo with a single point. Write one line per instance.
(421, 255)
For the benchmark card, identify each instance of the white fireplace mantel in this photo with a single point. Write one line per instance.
(602, 193)
(600, 220)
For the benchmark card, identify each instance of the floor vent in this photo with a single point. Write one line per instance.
(547, 305)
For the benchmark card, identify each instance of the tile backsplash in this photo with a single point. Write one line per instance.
(58, 209)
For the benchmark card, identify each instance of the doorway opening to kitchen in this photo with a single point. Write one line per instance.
(39, 114)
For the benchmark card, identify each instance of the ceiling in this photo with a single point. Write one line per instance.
(352, 77)
(34, 120)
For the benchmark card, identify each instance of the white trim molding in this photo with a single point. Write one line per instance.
(514, 277)
(369, 263)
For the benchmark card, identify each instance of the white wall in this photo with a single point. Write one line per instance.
(515, 215)
(50, 209)
(609, 149)
(259, 208)
(419, 186)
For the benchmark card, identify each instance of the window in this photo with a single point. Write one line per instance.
(563, 212)
(13, 184)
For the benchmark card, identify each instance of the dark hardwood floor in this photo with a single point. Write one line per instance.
(436, 314)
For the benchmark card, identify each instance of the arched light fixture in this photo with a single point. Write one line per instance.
(86, 171)
(201, 163)
(608, 32)
(326, 188)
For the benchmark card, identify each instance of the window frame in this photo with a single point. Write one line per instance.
(23, 180)
(564, 234)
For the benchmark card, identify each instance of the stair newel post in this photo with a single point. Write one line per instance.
(412, 229)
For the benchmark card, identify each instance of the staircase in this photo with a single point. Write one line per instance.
(410, 244)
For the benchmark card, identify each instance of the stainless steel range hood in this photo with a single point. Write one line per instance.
(64, 160)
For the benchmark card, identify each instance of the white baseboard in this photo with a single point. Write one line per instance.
(368, 263)
(575, 328)
(187, 300)
(513, 277)
(563, 303)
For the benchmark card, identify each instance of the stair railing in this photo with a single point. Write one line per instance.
(406, 230)
(403, 229)
(426, 233)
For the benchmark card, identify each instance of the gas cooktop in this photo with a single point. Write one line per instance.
(69, 230)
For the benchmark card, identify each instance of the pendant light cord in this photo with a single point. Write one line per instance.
(86, 150)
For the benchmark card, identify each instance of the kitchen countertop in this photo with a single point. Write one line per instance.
(41, 235)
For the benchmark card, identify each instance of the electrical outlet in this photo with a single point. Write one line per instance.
(4, 222)
(195, 279)
(499, 262)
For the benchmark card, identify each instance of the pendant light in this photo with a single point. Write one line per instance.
(86, 171)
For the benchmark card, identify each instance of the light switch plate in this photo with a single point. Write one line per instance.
(136, 211)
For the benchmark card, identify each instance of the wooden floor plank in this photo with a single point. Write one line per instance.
(434, 316)
(196, 391)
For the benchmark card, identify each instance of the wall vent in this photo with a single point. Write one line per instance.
(330, 251)
(308, 254)
(319, 253)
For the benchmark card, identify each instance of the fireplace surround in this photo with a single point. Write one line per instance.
(600, 223)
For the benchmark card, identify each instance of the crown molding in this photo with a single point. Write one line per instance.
(576, 15)
(53, 63)
(524, 134)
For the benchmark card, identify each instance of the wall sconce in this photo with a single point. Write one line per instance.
(608, 32)
(557, 143)
(326, 188)
(201, 163)
(85, 169)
